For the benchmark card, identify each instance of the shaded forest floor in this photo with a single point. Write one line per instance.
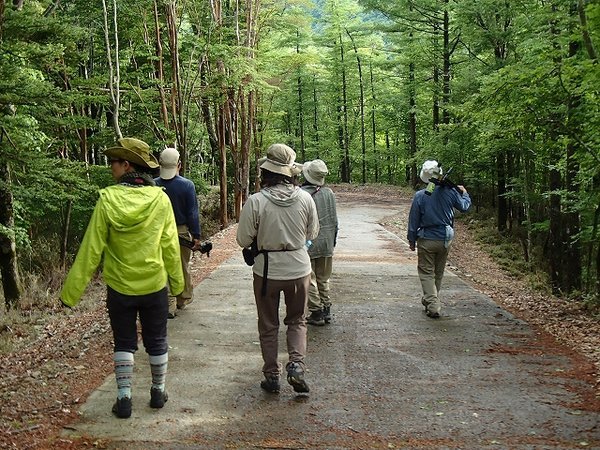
(52, 365)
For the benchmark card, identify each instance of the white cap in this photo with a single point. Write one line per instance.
(169, 161)
(430, 169)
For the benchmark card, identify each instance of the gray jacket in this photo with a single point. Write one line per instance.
(283, 217)
(324, 243)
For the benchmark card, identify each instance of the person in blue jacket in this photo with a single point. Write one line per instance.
(431, 230)
(182, 193)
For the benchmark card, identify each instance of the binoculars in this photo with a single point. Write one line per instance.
(205, 247)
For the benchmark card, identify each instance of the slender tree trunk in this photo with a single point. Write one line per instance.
(65, 233)
(300, 105)
(363, 139)
(159, 69)
(572, 271)
(373, 125)
(114, 82)
(412, 127)
(502, 210)
(177, 106)
(346, 170)
(11, 283)
(446, 75)
(315, 113)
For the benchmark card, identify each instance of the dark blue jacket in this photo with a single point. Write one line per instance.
(182, 193)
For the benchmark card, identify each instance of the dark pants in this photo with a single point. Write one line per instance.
(153, 311)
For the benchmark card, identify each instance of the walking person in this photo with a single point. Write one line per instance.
(431, 230)
(281, 217)
(132, 230)
(321, 250)
(182, 193)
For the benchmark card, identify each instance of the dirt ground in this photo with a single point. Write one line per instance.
(44, 382)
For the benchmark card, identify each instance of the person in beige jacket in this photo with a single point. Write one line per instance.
(282, 218)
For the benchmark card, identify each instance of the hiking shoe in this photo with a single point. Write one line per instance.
(271, 384)
(122, 408)
(433, 315)
(327, 314)
(295, 376)
(316, 318)
(158, 398)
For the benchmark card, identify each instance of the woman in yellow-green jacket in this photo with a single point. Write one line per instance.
(133, 231)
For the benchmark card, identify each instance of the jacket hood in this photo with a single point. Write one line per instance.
(129, 208)
(282, 194)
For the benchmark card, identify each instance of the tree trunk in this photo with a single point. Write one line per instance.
(346, 170)
(555, 253)
(315, 114)
(363, 139)
(412, 128)
(159, 70)
(11, 283)
(373, 125)
(300, 105)
(114, 69)
(572, 269)
(446, 75)
(502, 211)
(177, 106)
(65, 233)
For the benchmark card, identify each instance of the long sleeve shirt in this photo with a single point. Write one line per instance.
(281, 217)
(182, 193)
(431, 215)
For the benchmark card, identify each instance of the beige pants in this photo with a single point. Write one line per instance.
(318, 292)
(188, 291)
(432, 257)
(295, 293)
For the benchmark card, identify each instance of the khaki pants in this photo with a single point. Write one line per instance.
(318, 292)
(432, 257)
(186, 254)
(295, 293)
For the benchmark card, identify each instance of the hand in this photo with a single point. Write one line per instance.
(196, 245)
(462, 188)
(412, 246)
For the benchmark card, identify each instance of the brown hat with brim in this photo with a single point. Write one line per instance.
(134, 151)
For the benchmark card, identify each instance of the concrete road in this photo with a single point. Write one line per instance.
(382, 374)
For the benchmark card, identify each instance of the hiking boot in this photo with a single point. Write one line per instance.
(316, 318)
(327, 314)
(271, 384)
(433, 315)
(158, 398)
(122, 408)
(295, 376)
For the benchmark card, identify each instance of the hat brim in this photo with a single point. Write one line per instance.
(128, 155)
(282, 170)
(310, 178)
(166, 173)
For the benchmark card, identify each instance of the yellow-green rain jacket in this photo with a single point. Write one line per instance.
(134, 229)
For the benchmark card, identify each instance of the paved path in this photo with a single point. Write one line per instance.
(382, 375)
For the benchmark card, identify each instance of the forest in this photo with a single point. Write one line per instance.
(506, 93)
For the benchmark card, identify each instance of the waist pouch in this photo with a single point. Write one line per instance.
(250, 253)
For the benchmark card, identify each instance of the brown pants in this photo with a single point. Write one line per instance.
(432, 257)
(318, 293)
(186, 254)
(295, 294)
